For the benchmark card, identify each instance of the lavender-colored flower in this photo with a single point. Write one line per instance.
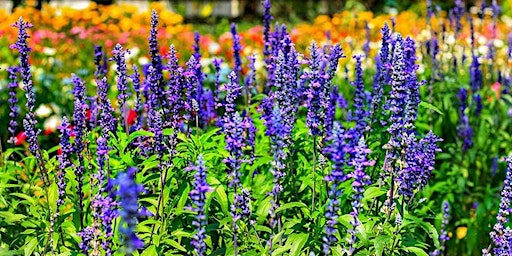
(155, 122)
(13, 100)
(250, 79)
(494, 166)
(99, 62)
(64, 159)
(156, 59)
(458, 13)
(382, 75)
(80, 127)
(130, 211)
(464, 130)
(237, 48)
(135, 77)
(443, 236)
(88, 235)
(93, 111)
(122, 78)
(478, 104)
(278, 150)
(267, 18)
(337, 151)
(501, 235)
(360, 115)
(317, 92)
(198, 196)
(475, 74)
(366, 46)
(360, 180)
(107, 121)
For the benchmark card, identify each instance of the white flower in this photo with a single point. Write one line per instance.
(43, 111)
(49, 51)
(52, 123)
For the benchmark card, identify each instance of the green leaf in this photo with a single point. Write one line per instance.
(380, 243)
(53, 194)
(12, 217)
(297, 242)
(373, 192)
(30, 246)
(290, 205)
(150, 251)
(431, 107)
(417, 251)
(175, 245)
(28, 198)
(139, 133)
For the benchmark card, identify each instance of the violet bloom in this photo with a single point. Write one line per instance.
(366, 46)
(127, 193)
(337, 151)
(64, 159)
(382, 75)
(458, 12)
(99, 62)
(198, 196)
(360, 180)
(107, 121)
(267, 18)
(250, 79)
(317, 92)
(464, 130)
(278, 150)
(13, 100)
(122, 78)
(413, 95)
(237, 48)
(80, 127)
(155, 122)
(475, 75)
(135, 77)
(156, 59)
(360, 115)
(501, 235)
(443, 235)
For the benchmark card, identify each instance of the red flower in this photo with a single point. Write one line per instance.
(47, 131)
(132, 116)
(20, 138)
(88, 114)
(59, 151)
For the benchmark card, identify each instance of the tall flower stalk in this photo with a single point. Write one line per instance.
(13, 100)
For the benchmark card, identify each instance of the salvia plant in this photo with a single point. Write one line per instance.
(393, 149)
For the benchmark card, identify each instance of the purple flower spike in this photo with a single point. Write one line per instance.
(122, 78)
(127, 193)
(13, 100)
(198, 196)
(64, 159)
(237, 48)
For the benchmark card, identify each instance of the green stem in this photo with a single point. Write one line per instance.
(314, 175)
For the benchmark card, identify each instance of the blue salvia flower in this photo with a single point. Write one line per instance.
(30, 122)
(88, 234)
(285, 94)
(464, 130)
(360, 180)
(382, 72)
(475, 74)
(177, 92)
(107, 121)
(99, 62)
(233, 91)
(429, 148)
(80, 129)
(443, 235)
(135, 77)
(501, 235)
(200, 78)
(127, 193)
(337, 151)
(317, 91)
(396, 105)
(64, 159)
(198, 196)
(122, 78)
(277, 148)
(208, 106)
(156, 59)
(333, 58)
(13, 100)
(458, 13)
(237, 48)
(478, 104)
(107, 207)
(250, 79)
(413, 96)
(366, 46)
(193, 85)
(360, 115)
(267, 18)
(155, 122)
(93, 111)
(494, 166)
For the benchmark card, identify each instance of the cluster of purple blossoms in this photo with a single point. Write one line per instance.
(107, 121)
(30, 122)
(13, 100)
(127, 193)
(501, 235)
(337, 151)
(464, 130)
(319, 87)
(443, 236)
(360, 115)
(382, 74)
(237, 48)
(135, 77)
(80, 129)
(122, 77)
(360, 180)
(198, 196)
(100, 61)
(64, 159)
(267, 18)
